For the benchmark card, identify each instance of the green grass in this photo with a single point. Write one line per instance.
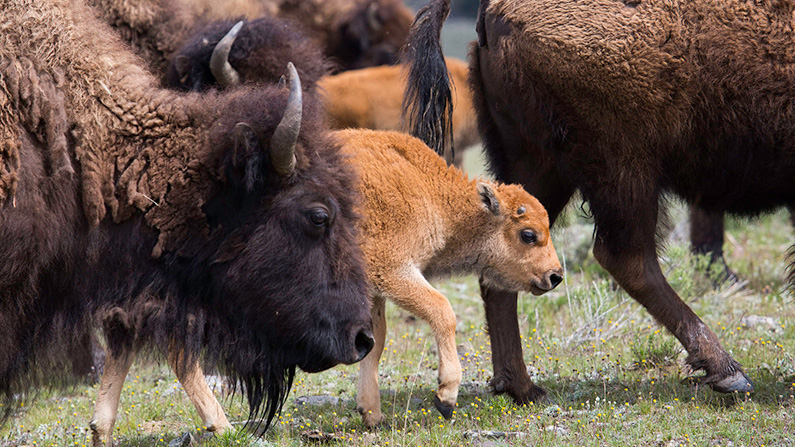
(614, 376)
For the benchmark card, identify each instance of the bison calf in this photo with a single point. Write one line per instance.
(425, 219)
(372, 97)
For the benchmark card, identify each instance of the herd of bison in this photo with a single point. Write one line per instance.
(226, 183)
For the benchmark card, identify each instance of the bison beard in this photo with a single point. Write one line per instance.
(176, 222)
(625, 102)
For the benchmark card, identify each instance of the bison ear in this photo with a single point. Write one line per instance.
(489, 198)
(182, 66)
(245, 168)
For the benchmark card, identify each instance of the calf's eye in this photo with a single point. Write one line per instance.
(529, 237)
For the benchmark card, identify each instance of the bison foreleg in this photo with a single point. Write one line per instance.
(510, 372)
(117, 364)
(368, 396)
(409, 290)
(191, 377)
(636, 269)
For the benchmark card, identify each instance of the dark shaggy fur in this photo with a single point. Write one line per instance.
(625, 102)
(153, 28)
(142, 210)
(351, 33)
(259, 54)
(371, 34)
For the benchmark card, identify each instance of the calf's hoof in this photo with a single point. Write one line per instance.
(736, 383)
(186, 440)
(445, 409)
(371, 419)
(97, 439)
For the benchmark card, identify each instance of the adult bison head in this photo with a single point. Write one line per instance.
(372, 34)
(282, 270)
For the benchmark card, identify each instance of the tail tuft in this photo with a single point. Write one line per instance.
(428, 100)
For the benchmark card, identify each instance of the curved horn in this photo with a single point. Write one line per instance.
(285, 136)
(219, 61)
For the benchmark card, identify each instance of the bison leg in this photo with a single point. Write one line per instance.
(117, 365)
(510, 372)
(629, 254)
(412, 292)
(368, 396)
(706, 237)
(191, 377)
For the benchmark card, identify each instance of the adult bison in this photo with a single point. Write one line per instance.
(218, 226)
(625, 101)
(230, 53)
(351, 33)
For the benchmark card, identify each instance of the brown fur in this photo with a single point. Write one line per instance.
(424, 219)
(353, 33)
(626, 101)
(154, 28)
(371, 98)
(160, 215)
(102, 94)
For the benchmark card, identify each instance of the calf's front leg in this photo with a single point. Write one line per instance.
(411, 291)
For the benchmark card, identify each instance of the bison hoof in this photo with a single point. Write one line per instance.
(445, 409)
(183, 441)
(522, 393)
(371, 420)
(736, 383)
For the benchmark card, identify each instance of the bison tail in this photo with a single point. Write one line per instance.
(428, 101)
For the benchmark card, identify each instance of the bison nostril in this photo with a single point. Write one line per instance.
(555, 279)
(364, 343)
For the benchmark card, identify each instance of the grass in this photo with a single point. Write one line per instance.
(614, 376)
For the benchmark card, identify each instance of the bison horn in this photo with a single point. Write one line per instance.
(285, 136)
(219, 61)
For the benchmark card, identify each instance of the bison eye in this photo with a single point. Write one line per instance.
(318, 216)
(529, 237)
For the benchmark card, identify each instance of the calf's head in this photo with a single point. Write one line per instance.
(519, 251)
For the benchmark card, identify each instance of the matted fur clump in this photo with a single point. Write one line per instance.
(165, 217)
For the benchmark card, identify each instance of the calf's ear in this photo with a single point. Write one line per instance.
(489, 198)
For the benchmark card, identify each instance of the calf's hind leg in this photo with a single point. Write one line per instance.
(190, 375)
(117, 365)
(368, 396)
